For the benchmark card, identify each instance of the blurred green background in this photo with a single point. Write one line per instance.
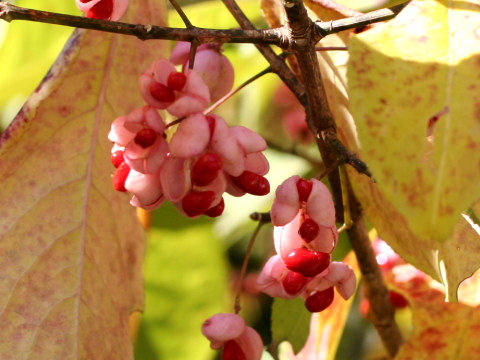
(191, 266)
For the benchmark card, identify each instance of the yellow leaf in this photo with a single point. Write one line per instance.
(412, 92)
(70, 247)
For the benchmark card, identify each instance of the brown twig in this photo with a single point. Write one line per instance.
(234, 91)
(293, 150)
(321, 122)
(345, 156)
(331, 48)
(324, 28)
(276, 62)
(243, 271)
(381, 309)
(181, 13)
(225, 97)
(9, 12)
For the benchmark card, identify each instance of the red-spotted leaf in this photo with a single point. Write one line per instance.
(441, 330)
(412, 88)
(70, 247)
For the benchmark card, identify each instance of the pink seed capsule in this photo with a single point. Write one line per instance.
(307, 262)
(252, 183)
(206, 169)
(197, 202)
(161, 92)
(304, 188)
(294, 282)
(308, 230)
(120, 177)
(117, 158)
(319, 300)
(101, 10)
(145, 137)
(176, 80)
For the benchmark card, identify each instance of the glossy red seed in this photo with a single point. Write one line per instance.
(197, 202)
(308, 230)
(294, 282)
(161, 92)
(216, 210)
(307, 262)
(206, 169)
(319, 300)
(101, 10)
(117, 158)
(232, 351)
(176, 80)
(304, 188)
(145, 138)
(252, 183)
(398, 300)
(120, 176)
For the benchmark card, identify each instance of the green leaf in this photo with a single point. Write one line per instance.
(28, 49)
(186, 283)
(290, 321)
(71, 247)
(411, 81)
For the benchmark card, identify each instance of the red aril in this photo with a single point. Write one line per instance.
(252, 183)
(304, 188)
(294, 282)
(232, 351)
(197, 202)
(120, 176)
(211, 124)
(161, 92)
(397, 300)
(117, 158)
(307, 262)
(101, 10)
(145, 137)
(216, 210)
(176, 80)
(308, 230)
(206, 169)
(319, 300)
